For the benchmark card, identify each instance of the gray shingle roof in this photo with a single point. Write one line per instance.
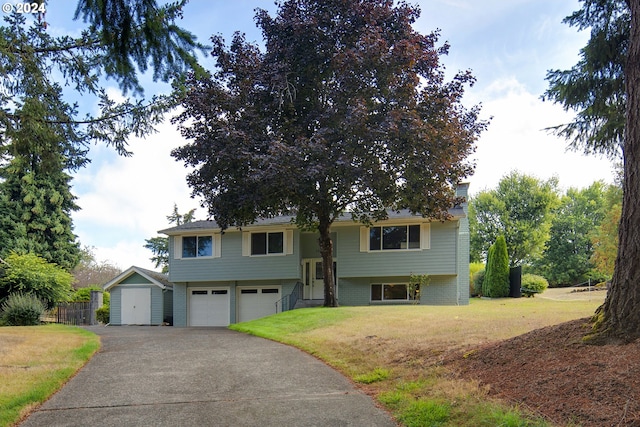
(195, 226)
(158, 279)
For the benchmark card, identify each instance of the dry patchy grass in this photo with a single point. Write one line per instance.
(35, 361)
(413, 335)
(410, 343)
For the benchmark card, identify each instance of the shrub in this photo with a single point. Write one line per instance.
(31, 274)
(478, 280)
(102, 314)
(22, 310)
(84, 294)
(474, 267)
(534, 282)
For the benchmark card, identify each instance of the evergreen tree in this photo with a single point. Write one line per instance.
(496, 279)
(594, 87)
(38, 208)
(159, 245)
(604, 86)
(43, 136)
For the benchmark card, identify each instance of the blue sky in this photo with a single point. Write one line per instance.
(508, 44)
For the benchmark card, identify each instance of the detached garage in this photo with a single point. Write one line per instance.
(140, 297)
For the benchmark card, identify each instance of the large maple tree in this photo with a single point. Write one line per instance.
(346, 108)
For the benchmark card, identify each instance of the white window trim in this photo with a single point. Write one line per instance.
(216, 246)
(287, 242)
(425, 238)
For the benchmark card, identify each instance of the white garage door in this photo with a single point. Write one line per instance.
(135, 306)
(209, 307)
(256, 302)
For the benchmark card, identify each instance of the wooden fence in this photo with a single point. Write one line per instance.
(77, 313)
(74, 313)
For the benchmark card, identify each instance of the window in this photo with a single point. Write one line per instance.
(394, 292)
(394, 237)
(197, 246)
(267, 243)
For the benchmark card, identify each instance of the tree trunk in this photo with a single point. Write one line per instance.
(326, 251)
(618, 319)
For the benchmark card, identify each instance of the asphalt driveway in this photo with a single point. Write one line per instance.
(165, 376)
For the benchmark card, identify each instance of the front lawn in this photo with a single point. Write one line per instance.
(36, 361)
(396, 352)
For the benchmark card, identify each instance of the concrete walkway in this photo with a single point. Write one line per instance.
(165, 376)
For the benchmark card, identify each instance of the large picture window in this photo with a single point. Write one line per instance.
(267, 243)
(394, 292)
(394, 237)
(197, 246)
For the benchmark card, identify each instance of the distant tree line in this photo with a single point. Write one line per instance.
(567, 237)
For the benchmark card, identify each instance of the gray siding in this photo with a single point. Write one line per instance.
(310, 248)
(353, 292)
(442, 290)
(179, 304)
(115, 306)
(463, 262)
(158, 308)
(232, 265)
(134, 279)
(439, 260)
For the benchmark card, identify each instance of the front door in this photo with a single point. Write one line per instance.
(313, 278)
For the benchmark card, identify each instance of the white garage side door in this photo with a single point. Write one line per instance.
(135, 306)
(209, 307)
(256, 302)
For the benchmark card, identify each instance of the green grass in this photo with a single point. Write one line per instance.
(36, 362)
(378, 374)
(395, 351)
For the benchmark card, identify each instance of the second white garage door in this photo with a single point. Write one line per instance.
(255, 302)
(209, 307)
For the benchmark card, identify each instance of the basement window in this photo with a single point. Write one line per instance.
(393, 292)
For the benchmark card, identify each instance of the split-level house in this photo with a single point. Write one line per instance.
(226, 277)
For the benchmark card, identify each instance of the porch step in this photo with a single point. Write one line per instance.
(305, 303)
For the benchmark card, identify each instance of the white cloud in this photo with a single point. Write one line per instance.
(516, 140)
(125, 200)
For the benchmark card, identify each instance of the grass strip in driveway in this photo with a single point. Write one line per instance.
(396, 351)
(35, 361)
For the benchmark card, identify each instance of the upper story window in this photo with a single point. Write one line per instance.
(394, 237)
(267, 243)
(197, 246)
